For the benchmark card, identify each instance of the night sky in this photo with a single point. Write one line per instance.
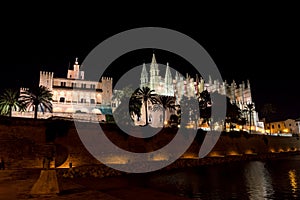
(256, 45)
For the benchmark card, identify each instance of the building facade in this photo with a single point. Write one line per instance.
(288, 126)
(179, 86)
(74, 96)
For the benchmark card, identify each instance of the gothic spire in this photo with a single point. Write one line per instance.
(154, 74)
(144, 76)
(168, 82)
(153, 59)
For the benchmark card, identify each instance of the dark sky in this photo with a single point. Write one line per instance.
(260, 45)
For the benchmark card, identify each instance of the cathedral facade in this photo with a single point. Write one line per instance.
(179, 86)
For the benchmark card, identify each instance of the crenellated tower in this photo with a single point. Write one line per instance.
(46, 79)
(107, 86)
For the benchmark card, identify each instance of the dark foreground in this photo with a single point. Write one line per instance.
(253, 179)
(16, 184)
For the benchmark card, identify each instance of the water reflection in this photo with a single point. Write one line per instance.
(293, 182)
(258, 180)
(274, 179)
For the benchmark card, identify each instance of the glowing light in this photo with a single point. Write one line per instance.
(281, 150)
(233, 153)
(190, 156)
(66, 164)
(293, 181)
(160, 157)
(116, 160)
(249, 151)
(215, 154)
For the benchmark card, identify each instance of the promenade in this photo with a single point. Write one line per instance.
(16, 184)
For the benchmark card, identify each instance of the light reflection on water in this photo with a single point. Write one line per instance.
(258, 180)
(293, 182)
(275, 179)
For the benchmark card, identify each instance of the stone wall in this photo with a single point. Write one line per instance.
(237, 143)
(23, 143)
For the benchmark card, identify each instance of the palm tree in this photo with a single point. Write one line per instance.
(205, 103)
(233, 114)
(38, 96)
(250, 107)
(9, 101)
(135, 104)
(146, 94)
(167, 102)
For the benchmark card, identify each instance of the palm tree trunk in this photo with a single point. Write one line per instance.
(164, 116)
(146, 112)
(35, 111)
(10, 111)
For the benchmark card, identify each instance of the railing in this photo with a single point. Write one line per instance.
(76, 116)
(76, 103)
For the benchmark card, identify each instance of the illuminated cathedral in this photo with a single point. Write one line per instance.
(179, 86)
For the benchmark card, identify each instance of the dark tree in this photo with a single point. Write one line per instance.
(37, 96)
(146, 95)
(9, 101)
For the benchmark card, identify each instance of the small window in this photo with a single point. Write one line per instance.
(290, 124)
(73, 85)
(278, 125)
(272, 126)
(63, 84)
(92, 86)
(92, 101)
(62, 99)
(83, 101)
(70, 76)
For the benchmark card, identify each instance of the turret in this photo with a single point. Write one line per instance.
(46, 79)
(75, 73)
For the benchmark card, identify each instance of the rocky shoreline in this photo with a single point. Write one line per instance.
(101, 170)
